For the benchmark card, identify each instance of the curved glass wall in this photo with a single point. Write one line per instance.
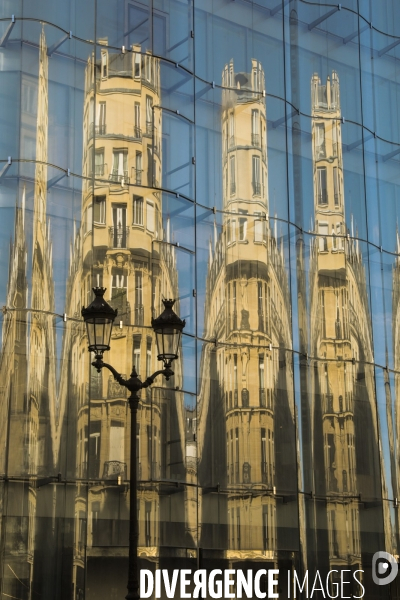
(243, 158)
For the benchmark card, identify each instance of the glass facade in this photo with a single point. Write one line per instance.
(241, 157)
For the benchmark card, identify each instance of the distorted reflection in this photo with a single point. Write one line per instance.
(246, 404)
(120, 245)
(29, 370)
(221, 481)
(344, 428)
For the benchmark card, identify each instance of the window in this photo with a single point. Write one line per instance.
(88, 219)
(137, 210)
(118, 284)
(334, 140)
(231, 130)
(101, 118)
(322, 194)
(257, 78)
(120, 165)
(233, 230)
(136, 352)
(99, 163)
(137, 62)
(232, 174)
(260, 229)
(242, 227)
(117, 438)
(119, 232)
(256, 179)
(148, 518)
(99, 210)
(237, 454)
(265, 525)
(147, 64)
(255, 127)
(323, 233)
(235, 380)
(150, 217)
(336, 186)
(138, 167)
(261, 383)
(139, 310)
(148, 357)
(137, 130)
(264, 463)
(234, 315)
(149, 115)
(339, 233)
(104, 64)
(320, 148)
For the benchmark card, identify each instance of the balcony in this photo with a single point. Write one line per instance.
(101, 129)
(137, 175)
(96, 129)
(117, 177)
(256, 188)
(118, 237)
(137, 133)
(256, 140)
(114, 469)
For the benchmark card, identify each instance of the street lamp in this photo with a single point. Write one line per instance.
(99, 318)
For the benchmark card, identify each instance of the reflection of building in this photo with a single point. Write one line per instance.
(120, 245)
(345, 451)
(28, 367)
(246, 392)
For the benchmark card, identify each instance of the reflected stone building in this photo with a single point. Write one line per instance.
(120, 245)
(128, 163)
(246, 404)
(345, 444)
(28, 401)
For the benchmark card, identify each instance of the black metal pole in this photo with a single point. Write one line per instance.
(133, 581)
(134, 385)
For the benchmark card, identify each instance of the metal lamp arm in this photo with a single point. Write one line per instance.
(167, 372)
(117, 376)
(133, 384)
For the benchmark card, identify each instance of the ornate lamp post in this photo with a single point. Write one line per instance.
(99, 318)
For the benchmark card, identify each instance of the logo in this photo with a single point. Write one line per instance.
(384, 568)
